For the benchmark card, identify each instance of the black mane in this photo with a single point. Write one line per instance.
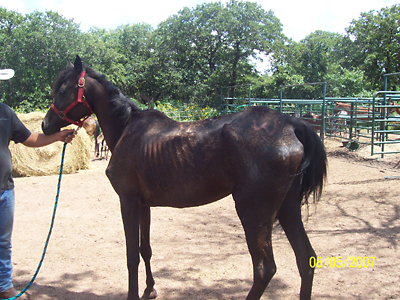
(122, 106)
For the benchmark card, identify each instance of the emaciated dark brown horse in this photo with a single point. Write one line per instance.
(271, 163)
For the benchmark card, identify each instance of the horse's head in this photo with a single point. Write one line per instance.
(69, 104)
(394, 109)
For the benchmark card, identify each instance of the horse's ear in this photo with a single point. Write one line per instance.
(78, 65)
(69, 65)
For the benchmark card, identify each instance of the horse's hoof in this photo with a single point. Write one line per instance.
(149, 295)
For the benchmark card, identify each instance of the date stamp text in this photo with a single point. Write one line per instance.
(342, 262)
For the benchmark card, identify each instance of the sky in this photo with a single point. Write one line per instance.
(299, 18)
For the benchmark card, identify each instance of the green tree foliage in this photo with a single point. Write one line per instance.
(351, 64)
(37, 46)
(376, 44)
(319, 57)
(136, 47)
(211, 45)
(194, 53)
(9, 22)
(102, 52)
(346, 82)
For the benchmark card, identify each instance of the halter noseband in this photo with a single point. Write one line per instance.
(81, 99)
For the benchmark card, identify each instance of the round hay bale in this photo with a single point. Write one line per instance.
(46, 160)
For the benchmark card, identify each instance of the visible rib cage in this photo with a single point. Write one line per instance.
(268, 161)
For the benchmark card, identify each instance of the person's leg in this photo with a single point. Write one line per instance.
(7, 204)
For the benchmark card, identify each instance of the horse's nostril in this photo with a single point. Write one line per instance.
(47, 130)
(44, 127)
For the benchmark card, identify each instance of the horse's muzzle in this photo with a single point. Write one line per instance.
(47, 129)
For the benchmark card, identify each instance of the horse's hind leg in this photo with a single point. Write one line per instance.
(145, 251)
(257, 223)
(289, 216)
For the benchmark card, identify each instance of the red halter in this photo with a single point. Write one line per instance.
(81, 99)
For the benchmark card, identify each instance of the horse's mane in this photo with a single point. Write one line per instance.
(122, 106)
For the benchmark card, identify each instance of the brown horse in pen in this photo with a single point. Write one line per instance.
(314, 120)
(270, 162)
(92, 127)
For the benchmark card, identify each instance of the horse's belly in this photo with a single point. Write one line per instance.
(187, 194)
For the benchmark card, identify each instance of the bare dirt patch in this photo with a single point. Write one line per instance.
(200, 253)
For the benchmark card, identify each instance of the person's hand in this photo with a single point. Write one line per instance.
(39, 139)
(66, 135)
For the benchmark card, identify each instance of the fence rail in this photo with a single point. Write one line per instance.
(370, 121)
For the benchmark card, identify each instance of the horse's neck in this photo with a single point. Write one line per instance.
(111, 126)
(111, 134)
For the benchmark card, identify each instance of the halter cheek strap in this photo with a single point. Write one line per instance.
(81, 99)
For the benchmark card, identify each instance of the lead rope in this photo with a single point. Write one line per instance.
(51, 228)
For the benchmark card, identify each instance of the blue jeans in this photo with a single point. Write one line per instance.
(7, 203)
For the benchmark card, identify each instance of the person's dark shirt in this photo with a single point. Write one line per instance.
(11, 129)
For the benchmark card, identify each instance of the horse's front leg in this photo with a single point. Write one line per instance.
(145, 251)
(130, 209)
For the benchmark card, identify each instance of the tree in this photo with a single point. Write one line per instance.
(321, 56)
(40, 45)
(349, 83)
(9, 22)
(137, 46)
(210, 45)
(250, 30)
(318, 55)
(376, 43)
(102, 52)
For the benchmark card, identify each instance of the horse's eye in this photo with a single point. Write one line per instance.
(61, 91)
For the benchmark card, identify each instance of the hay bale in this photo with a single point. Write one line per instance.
(46, 160)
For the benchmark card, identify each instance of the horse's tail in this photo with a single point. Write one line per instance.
(313, 167)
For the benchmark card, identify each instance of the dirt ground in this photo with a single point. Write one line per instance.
(200, 253)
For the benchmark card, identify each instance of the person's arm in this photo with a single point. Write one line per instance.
(39, 139)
